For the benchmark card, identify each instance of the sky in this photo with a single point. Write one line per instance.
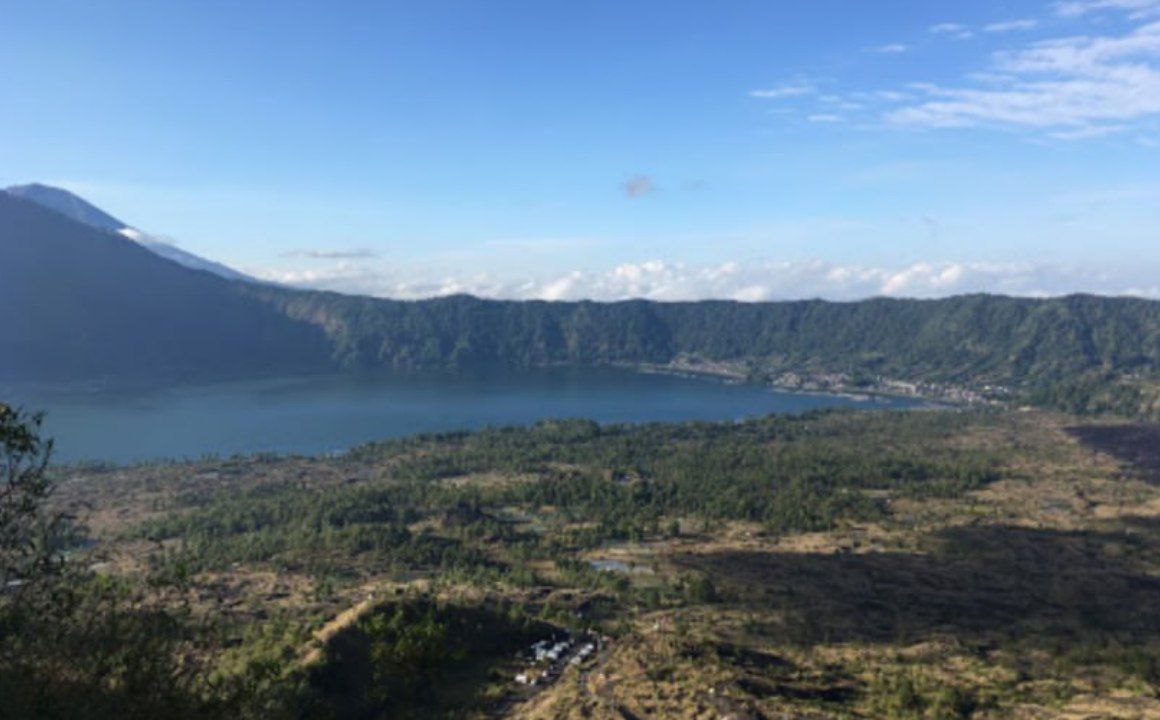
(609, 149)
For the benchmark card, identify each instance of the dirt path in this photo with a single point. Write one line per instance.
(343, 620)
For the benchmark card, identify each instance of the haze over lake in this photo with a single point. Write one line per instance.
(333, 413)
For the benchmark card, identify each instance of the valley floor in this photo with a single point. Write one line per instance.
(920, 564)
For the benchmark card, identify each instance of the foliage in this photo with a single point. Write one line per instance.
(27, 533)
(913, 695)
(975, 339)
(397, 661)
(75, 645)
(603, 484)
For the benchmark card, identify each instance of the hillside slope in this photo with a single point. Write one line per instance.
(976, 338)
(81, 303)
(82, 211)
(78, 303)
(67, 204)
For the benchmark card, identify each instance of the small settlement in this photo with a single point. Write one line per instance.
(548, 658)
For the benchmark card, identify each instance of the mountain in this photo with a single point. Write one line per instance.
(80, 303)
(966, 339)
(169, 251)
(82, 211)
(67, 204)
(1080, 353)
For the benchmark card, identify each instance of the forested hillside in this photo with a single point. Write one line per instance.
(967, 339)
(80, 303)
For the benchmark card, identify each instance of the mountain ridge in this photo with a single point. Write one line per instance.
(81, 303)
(68, 204)
(85, 303)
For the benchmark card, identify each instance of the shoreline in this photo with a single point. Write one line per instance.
(723, 372)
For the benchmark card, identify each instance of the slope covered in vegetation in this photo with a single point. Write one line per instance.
(843, 564)
(81, 303)
(1074, 347)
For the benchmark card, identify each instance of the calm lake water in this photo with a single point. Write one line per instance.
(327, 414)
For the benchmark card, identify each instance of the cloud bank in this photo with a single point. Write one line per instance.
(356, 254)
(1077, 87)
(1011, 25)
(783, 91)
(1098, 76)
(1137, 9)
(747, 282)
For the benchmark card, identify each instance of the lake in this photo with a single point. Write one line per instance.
(314, 415)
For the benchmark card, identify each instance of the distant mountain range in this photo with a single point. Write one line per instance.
(80, 300)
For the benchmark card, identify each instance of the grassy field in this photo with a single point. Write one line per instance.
(839, 565)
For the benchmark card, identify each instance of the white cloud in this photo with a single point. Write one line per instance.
(840, 102)
(1146, 193)
(1071, 87)
(782, 91)
(825, 118)
(1086, 132)
(891, 95)
(1137, 9)
(355, 254)
(747, 282)
(890, 49)
(954, 30)
(1012, 25)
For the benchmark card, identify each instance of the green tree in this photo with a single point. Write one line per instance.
(26, 530)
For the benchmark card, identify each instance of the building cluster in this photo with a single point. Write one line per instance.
(549, 657)
(843, 383)
(831, 382)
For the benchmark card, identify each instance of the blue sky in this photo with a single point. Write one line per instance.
(754, 150)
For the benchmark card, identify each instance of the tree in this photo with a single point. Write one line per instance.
(73, 645)
(26, 529)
